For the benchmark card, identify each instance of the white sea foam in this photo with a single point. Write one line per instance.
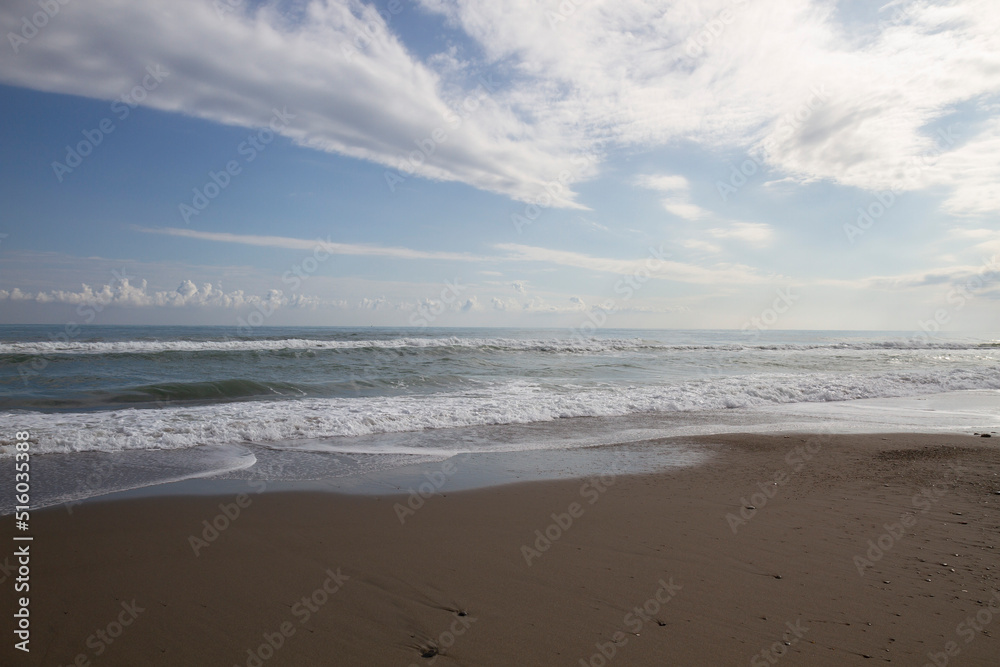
(580, 344)
(511, 402)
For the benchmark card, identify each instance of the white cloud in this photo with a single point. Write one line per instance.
(683, 208)
(366, 98)
(471, 305)
(207, 296)
(187, 294)
(378, 303)
(663, 182)
(322, 245)
(972, 171)
(985, 242)
(819, 100)
(976, 233)
(502, 304)
(697, 244)
(785, 78)
(663, 269)
(679, 203)
(968, 276)
(754, 233)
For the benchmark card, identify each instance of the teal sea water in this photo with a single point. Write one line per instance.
(174, 402)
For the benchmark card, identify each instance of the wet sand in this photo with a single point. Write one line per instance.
(858, 549)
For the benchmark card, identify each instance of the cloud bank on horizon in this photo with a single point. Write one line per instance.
(549, 106)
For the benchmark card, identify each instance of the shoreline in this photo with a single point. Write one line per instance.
(500, 454)
(631, 569)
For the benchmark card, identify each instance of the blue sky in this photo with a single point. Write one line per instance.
(713, 164)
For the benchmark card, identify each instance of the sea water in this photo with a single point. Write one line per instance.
(119, 407)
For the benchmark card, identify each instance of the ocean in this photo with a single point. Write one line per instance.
(127, 407)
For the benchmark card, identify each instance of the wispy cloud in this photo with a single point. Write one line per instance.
(783, 78)
(754, 233)
(698, 244)
(663, 182)
(679, 201)
(366, 97)
(324, 245)
(662, 269)
(971, 276)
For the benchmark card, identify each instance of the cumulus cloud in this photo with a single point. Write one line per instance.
(378, 303)
(471, 305)
(187, 294)
(501, 304)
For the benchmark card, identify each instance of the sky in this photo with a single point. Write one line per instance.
(723, 164)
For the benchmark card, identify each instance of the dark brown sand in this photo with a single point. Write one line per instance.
(869, 549)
